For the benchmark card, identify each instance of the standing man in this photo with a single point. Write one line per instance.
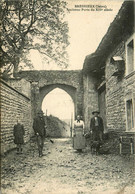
(97, 127)
(40, 131)
(18, 133)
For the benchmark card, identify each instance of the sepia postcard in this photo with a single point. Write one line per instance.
(67, 96)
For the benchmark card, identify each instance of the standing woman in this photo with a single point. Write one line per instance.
(78, 138)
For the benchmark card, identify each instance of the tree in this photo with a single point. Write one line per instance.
(32, 24)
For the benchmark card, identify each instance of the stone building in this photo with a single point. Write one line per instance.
(109, 75)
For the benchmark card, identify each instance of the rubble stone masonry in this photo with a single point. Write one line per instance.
(118, 88)
(45, 81)
(90, 99)
(14, 106)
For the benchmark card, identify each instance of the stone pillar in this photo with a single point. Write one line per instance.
(90, 98)
(35, 98)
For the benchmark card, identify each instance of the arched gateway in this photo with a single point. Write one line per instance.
(42, 82)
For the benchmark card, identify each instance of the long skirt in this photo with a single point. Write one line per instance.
(18, 139)
(79, 140)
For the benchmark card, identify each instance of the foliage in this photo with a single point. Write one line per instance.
(54, 126)
(32, 24)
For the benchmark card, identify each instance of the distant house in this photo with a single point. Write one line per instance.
(109, 75)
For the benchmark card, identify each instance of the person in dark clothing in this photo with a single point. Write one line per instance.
(97, 127)
(18, 133)
(40, 131)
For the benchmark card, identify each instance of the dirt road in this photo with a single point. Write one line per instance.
(62, 170)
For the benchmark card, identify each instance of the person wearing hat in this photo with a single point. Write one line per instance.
(96, 126)
(40, 131)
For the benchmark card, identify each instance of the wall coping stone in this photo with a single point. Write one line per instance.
(2, 81)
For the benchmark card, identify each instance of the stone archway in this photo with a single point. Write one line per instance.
(42, 82)
(59, 112)
(43, 91)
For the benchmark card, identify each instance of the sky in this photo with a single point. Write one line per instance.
(87, 26)
(86, 30)
(62, 107)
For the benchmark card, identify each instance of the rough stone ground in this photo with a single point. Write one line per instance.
(62, 170)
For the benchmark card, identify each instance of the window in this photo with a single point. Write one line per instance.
(130, 54)
(130, 114)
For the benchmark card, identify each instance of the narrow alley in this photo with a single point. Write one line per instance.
(63, 170)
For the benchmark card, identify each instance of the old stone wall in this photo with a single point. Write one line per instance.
(102, 103)
(90, 98)
(21, 85)
(14, 106)
(118, 87)
(130, 85)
